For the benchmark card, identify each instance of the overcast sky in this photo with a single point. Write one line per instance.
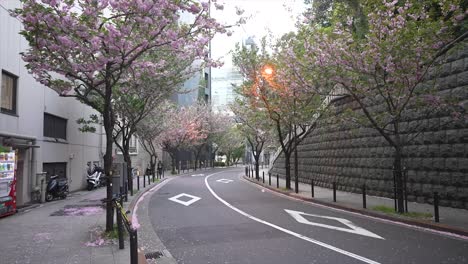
(275, 16)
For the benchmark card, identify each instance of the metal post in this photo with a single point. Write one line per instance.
(364, 204)
(405, 177)
(312, 187)
(277, 181)
(138, 182)
(149, 180)
(144, 180)
(436, 207)
(263, 176)
(394, 189)
(269, 178)
(126, 191)
(334, 191)
(120, 228)
(133, 246)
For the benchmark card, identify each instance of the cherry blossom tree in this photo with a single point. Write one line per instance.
(182, 128)
(213, 123)
(394, 65)
(268, 87)
(82, 48)
(151, 128)
(141, 93)
(255, 127)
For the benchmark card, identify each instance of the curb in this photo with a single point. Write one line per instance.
(431, 226)
(136, 197)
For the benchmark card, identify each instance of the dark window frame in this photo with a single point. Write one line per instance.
(15, 93)
(54, 130)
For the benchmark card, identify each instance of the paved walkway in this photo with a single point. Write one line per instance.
(64, 231)
(452, 217)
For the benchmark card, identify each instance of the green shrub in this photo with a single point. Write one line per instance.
(219, 164)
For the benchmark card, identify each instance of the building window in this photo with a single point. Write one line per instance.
(55, 127)
(133, 146)
(8, 93)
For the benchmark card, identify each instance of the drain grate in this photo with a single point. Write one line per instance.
(153, 255)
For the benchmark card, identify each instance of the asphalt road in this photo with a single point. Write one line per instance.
(220, 218)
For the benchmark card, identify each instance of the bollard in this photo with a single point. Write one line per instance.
(334, 191)
(144, 181)
(436, 207)
(364, 202)
(277, 181)
(312, 188)
(246, 174)
(133, 246)
(394, 191)
(120, 228)
(138, 182)
(263, 176)
(269, 178)
(149, 180)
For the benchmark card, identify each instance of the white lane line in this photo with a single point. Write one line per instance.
(311, 240)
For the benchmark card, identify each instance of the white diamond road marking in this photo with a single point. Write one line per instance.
(354, 229)
(186, 203)
(198, 175)
(224, 180)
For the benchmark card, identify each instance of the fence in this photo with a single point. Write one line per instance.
(123, 221)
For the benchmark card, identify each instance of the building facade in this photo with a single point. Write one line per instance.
(39, 124)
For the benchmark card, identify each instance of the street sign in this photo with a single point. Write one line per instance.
(184, 201)
(354, 229)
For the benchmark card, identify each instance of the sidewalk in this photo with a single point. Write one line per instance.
(451, 219)
(66, 231)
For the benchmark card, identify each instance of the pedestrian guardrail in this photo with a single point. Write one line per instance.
(123, 221)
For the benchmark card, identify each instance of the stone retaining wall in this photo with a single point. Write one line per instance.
(352, 156)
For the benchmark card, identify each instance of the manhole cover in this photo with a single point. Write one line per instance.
(153, 255)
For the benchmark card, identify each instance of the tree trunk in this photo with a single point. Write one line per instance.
(257, 167)
(398, 170)
(287, 167)
(153, 163)
(173, 163)
(296, 165)
(108, 127)
(128, 160)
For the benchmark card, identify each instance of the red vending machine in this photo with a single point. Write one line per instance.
(7, 182)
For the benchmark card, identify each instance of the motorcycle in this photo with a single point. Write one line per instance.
(95, 178)
(56, 187)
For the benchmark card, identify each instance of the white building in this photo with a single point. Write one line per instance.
(38, 123)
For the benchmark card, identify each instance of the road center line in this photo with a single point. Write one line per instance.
(311, 240)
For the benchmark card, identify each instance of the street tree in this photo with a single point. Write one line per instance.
(393, 66)
(183, 127)
(142, 92)
(255, 127)
(150, 128)
(270, 88)
(82, 48)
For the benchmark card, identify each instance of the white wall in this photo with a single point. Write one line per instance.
(33, 99)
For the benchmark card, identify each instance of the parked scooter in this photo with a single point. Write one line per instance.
(56, 188)
(95, 178)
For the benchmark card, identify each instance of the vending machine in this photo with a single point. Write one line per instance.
(7, 182)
